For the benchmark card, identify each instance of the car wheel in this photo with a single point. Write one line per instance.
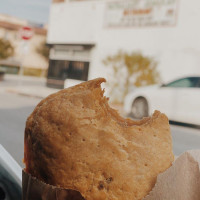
(139, 108)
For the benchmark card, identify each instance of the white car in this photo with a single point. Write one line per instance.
(179, 100)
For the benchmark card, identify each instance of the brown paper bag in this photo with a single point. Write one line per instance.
(33, 189)
(181, 181)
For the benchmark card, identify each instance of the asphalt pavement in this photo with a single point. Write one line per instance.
(15, 108)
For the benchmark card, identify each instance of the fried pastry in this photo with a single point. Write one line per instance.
(75, 140)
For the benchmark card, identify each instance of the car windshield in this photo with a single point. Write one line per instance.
(185, 82)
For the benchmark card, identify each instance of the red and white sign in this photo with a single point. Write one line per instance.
(138, 13)
(26, 33)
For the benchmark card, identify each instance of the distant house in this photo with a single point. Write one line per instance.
(82, 33)
(25, 55)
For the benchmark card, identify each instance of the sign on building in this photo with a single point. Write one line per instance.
(140, 13)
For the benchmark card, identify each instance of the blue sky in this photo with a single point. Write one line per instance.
(33, 10)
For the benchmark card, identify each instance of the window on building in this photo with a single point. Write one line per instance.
(62, 69)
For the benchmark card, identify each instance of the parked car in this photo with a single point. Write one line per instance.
(179, 100)
(10, 177)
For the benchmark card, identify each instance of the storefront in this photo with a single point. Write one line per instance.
(83, 33)
(68, 62)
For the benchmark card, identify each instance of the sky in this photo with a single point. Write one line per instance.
(36, 11)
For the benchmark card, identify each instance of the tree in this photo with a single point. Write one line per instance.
(130, 70)
(6, 49)
(43, 50)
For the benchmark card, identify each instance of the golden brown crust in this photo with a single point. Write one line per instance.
(75, 140)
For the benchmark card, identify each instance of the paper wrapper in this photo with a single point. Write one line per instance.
(180, 182)
(33, 189)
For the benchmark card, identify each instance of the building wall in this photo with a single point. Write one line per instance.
(175, 47)
(25, 51)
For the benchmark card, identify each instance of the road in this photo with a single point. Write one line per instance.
(184, 139)
(14, 110)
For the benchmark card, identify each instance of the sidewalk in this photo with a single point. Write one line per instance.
(27, 86)
(32, 91)
(34, 87)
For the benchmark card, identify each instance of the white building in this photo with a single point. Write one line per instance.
(83, 33)
(26, 60)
